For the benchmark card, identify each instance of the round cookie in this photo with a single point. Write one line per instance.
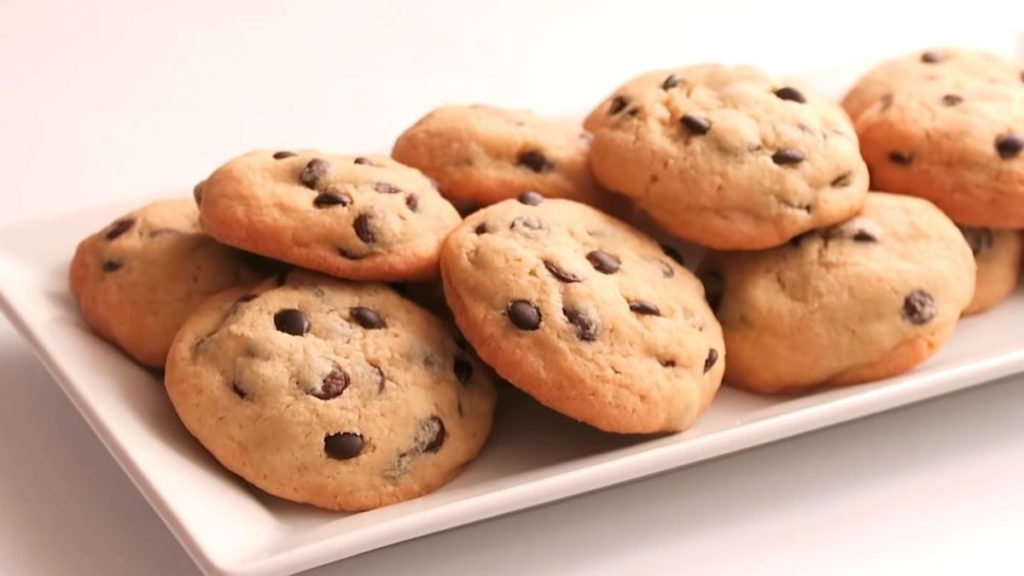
(998, 255)
(946, 125)
(341, 395)
(481, 154)
(860, 301)
(138, 279)
(357, 217)
(728, 157)
(584, 313)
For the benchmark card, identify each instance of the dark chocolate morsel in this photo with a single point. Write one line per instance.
(710, 361)
(586, 327)
(919, 307)
(524, 314)
(343, 445)
(367, 318)
(604, 262)
(313, 171)
(118, 228)
(530, 198)
(291, 321)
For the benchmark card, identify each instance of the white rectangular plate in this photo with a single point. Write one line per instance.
(533, 457)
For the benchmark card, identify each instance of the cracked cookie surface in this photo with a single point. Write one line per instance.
(341, 395)
(482, 154)
(947, 125)
(356, 217)
(585, 313)
(869, 298)
(138, 279)
(728, 157)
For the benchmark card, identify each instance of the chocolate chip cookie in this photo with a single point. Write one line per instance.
(584, 313)
(357, 217)
(728, 157)
(869, 298)
(138, 279)
(481, 154)
(998, 255)
(947, 125)
(341, 395)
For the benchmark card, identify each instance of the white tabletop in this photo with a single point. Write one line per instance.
(121, 100)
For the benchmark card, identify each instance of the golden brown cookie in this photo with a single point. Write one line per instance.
(357, 217)
(728, 157)
(869, 298)
(946, 125)
(584, 313)
(138, 279)
(482, 154)
(341, 395)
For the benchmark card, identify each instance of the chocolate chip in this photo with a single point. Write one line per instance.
(112, 265)
(931, 58)
(633, 112)
(695, 124)
(197, 193)
(363, 230)
(952, 99)
(333, 385)
(790, 93)
(666, 269)
(644, 308)
(343, 445)
(381, 380)
(919, 307)
(671, 82)
(283, 154)
(412, 202)
(529, 223)
(480, 229)
(901, 158)
(586, 328)
(386, 188)
(604, 262)
(535, 160)
(119, 227)
(787, 157)
(314, 170)
(530, 198)
(842, 181)
(1009, 145)
(711, 360)
(435, 435)
(673, 254)
(328, 199)
(291, 321)
(560, 273)
(667, 363)
(367, 318)
(363, 160)
(618, 105)
(236, 387)
(980, 239)
(525, 315)
(246, 298)
(864, 236)
(463, 370)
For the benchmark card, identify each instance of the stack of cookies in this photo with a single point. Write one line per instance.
(333, 330)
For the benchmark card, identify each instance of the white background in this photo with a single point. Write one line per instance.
(111, 100)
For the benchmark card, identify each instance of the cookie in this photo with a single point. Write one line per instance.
(481, 154)
(869, 298)
(728, 157)
(138, 279)
(584, 313)
(998, 255)
(356, 217)
(341, 395)
(946, 125)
